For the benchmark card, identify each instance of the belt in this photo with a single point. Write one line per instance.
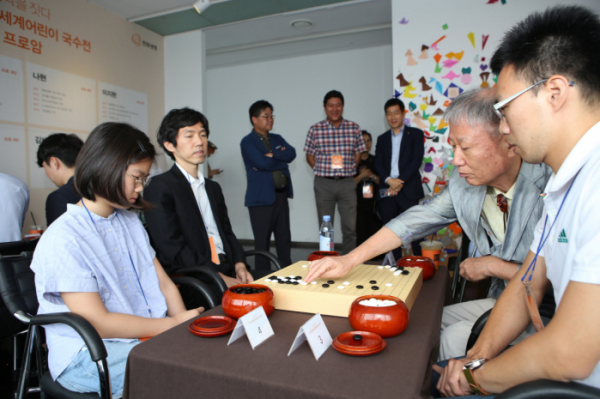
(223, 258)
(336, 178)
(281, 190)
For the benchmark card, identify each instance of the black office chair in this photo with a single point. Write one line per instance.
(13, 248)
(459, 283)
(17, 289)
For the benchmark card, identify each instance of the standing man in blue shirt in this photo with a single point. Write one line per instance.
(266, 157)
(398, 157)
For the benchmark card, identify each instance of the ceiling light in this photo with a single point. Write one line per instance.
(302, 24)
(202, 5)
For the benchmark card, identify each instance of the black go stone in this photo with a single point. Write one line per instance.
(295, 283)
(331, 282)
(360, 287)
(375, 287)
(281, 282)
(289, 282)
(400, 267)
(405, 272)
(325, 285)
(357, 337)
(273, 277)
(372, 282)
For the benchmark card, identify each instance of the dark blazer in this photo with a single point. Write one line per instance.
(56, 203)
(412, 147)
(176, 227)
(261, 188)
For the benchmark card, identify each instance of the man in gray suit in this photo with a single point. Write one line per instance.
(492, 194)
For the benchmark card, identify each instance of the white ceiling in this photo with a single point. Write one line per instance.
(129, 9)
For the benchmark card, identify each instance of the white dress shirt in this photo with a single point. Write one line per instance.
(205, 209)
(14, 201)
(396, 140)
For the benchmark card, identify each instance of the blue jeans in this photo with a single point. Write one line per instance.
(82, 374)
(435, 393)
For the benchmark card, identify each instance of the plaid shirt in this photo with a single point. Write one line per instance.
(324, 140)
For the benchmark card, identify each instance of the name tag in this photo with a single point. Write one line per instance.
(315, 332)
(255, 325)
(336, 161)
(367, 190)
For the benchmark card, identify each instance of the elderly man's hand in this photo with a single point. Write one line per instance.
(475, 269)
(452, 380)
(330, 266)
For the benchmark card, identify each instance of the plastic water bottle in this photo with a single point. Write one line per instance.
(326, 235)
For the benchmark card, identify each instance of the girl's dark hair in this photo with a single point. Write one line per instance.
(102, 162)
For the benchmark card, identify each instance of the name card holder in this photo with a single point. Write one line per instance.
(315, 332)
(255, 325)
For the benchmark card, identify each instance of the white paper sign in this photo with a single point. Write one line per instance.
(118, 104)
(255, 325)
(315, 331)
(12, 90)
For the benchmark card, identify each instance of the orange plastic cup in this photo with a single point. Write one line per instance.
(432, 250)
(36, 229)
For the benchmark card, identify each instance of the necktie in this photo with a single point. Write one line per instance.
(502, 203)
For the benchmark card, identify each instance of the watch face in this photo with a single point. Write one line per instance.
(475, 364)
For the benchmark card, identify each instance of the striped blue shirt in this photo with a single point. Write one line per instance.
(78, 255)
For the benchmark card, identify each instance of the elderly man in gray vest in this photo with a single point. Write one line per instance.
(492, 194)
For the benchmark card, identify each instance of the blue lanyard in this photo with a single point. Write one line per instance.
(130, 259)
(543, 239)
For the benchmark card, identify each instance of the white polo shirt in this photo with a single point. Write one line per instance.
(572, 251)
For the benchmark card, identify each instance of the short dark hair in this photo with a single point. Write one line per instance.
(104, 158)
(60, 145)
(333, 94)
(367, 133)
(258, 107)
(175, 120)
(562, 40)
(393, 101)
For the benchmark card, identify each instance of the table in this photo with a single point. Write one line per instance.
(178, 364)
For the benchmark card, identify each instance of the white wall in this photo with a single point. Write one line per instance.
(296, 87)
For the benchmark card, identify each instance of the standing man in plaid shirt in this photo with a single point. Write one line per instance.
(333, 147)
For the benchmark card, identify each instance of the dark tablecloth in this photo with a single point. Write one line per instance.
(178, 364)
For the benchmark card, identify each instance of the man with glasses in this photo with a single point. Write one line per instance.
(548, 97)
(333, 147)
(266, 158)
(188, 224)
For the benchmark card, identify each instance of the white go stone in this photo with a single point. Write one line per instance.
(341, 287)
(387, 267)
(346, 283)
(397, 273)
(303, 283)
(292, 276)
(267, 280)
(313, 283)
(304, 265)
(389, 284)
(380, 267)
(393, 269)
(377, 302)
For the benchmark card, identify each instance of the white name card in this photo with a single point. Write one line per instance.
(255, 325)
(315, 331)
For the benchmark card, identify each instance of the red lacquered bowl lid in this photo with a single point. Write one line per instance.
(212, 324)
(368, 342)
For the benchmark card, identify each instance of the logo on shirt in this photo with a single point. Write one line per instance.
(562, 237)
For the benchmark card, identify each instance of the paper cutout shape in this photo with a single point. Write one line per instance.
(424, 85)
(439, 87)
(447, 102)
(431, 120)
(423, 107)
(437, 57)
(412, 106)
(432, 101)
(457, 56)
(484, 79)
(434, 45)
(483, 67)
(466, 70)
(403, 82)
(476, 59)
(425, 116)
(424, 54)
(441, 131)
(404, 21)
(407, 122)
(419, 123)
(438, 68)
(408, 92)
(438, 161)
(492, 1)
(445, 26)
(431, 149)
(438, 112)
(428, 167)
(466, 79)
(484, 39)
(411, 61)
(453, 91)
(396, 93)
(482, 59)
(442, 124)
(471, 37)
(450, 75)
(449, 63)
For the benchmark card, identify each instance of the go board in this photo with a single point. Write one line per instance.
(336, 298)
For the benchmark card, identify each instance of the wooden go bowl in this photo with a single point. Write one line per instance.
(321, 254)
(237, 305)
(386, 321)
(427, 264)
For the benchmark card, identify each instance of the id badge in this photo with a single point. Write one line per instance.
(367, 191)
(336, 161)
(534, 312)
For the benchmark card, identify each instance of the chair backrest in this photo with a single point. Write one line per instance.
(16, 247)
(17, 284)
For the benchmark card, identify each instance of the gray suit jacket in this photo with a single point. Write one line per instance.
(463, 203)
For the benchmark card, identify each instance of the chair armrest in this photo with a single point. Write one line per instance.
(477, 328)
(205, 270)
(83, 327)
(200, 286)
(548, 389)
(266, 254)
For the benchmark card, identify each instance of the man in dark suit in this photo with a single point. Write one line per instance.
(266, 157)
(398, 157)
(188, 224)
(57, 154)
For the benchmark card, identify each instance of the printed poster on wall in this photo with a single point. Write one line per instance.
(117, 104)
(12, 92)
(60, 99)
(37, 176)
(12, 151)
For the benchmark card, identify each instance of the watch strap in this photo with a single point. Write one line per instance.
(474, 384)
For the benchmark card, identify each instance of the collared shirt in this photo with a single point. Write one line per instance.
(14, 201)
(492, 213)
(279, 178)
(325, 140)
(396, 140)
(571, 250)
(204, 205)
(78, 255)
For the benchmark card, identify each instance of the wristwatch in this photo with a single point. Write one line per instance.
(468, 372)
